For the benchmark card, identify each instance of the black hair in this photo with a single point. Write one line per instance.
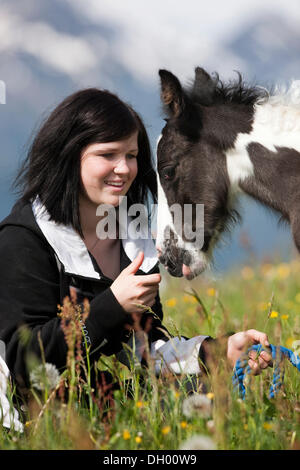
(51, 169)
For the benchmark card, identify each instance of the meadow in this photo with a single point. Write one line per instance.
(149, 412)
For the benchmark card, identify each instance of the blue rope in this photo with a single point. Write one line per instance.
(279, 353)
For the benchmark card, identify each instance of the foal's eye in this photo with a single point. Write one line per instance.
(168, 173)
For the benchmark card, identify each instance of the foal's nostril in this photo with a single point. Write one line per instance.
(186, 258)
(162, 259)
(168, 261)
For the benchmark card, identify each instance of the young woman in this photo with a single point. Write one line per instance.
(92, 150)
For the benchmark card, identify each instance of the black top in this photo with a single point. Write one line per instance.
(32, 284)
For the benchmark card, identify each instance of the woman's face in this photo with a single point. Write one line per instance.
(108, 170)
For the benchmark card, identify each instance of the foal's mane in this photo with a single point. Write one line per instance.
(211, 90)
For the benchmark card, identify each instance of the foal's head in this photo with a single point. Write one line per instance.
(202, 125)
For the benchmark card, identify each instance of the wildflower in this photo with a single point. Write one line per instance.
(166, 429)
(273, 314)
(189, 299)
(247, 273)
(211, 292)
(171, 302)
(297, 298)
(197, 404)
(198, 442)
(210, 395)
(138, 439)
(183, 424)
(44, 376)
(176, 394)
(268, 426)
(284, 317)
(263, 306)
(289, 342)
(139, 404)
(245, 426)
(283, 271)
(126, 434)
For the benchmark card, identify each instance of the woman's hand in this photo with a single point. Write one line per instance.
(131, 291)
(240, 342)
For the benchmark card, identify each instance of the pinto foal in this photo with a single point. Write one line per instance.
(221, 140)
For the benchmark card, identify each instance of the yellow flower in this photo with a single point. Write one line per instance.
(246, 426)
(247, 273)
(283, 271)
(211, 292)
(139, 404)
(267, 426)
(176, 394)
(284, 317)
(138, 439)
(126, 434)
(263, 305)
(273, 314)
(166, 429)
(183, 424)
(189, 299)
(289, 342)
(171, 302)
(297, 298)
(210, 395)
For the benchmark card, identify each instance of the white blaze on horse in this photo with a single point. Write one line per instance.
(221, 140)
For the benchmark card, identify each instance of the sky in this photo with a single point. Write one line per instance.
(50, 48)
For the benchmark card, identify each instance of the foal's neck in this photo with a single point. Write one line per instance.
(265, 163)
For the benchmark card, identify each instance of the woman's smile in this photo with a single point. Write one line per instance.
(115, 185)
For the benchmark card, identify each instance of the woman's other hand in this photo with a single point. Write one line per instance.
(240, 342)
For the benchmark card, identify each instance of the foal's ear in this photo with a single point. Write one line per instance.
(204, 86)
(172, 94)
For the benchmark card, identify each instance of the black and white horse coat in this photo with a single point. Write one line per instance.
(219, 141)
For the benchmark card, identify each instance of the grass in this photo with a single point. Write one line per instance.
(147, 412)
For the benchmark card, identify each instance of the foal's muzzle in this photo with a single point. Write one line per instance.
(181, 262)
(173, 258)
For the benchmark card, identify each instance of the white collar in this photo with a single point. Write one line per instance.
(72, 251)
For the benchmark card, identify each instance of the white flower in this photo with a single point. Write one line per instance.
(197, 404)
(198, 442)
(44, 376)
